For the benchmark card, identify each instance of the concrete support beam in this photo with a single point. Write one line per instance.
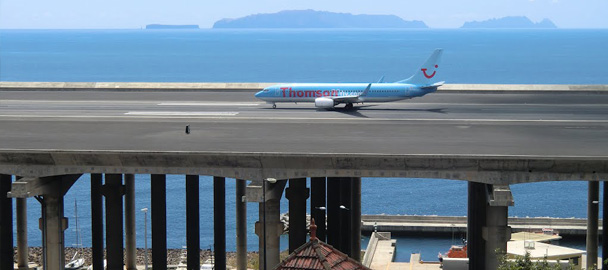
(130, 236)
(333, 212)
(26, 187)
(6, 223)
(113, 190)
(297, 193)
(159, 221)
(592, 223)
(356, 218)
(269, 226)
(241, 225)
(345, 216)
(318, 205)
(97, 221)
(22, 247)
(476, 220)
(193, 259)
(605, 225)
(496, 233)
(219, 222)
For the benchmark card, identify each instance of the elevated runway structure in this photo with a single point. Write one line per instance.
(491, 136)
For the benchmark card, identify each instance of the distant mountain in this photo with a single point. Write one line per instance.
(169, 26)
(317, 19)
(510, 22)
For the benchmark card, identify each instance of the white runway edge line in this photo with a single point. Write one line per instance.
(209, 104)
(151, 113)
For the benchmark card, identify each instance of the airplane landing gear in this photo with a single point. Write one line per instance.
(274, 106)
(348, 106)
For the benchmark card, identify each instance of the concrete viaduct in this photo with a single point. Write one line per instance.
(335, 182)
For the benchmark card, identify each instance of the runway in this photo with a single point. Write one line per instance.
(568, 124)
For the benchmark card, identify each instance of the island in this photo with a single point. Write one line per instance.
(317, 19)
(510, 22)
(169, 26)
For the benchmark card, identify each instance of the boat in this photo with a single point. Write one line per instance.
(76, 262)
(456, 251)
(209, 264)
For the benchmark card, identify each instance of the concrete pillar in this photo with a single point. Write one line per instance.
(54, 224)
(193, 223)
(269, 235)
(476, 219)
(297, 193)
(6, 223)
(592, 223)
(333, 212)
(219, 222)
(355, 209)
(496, 233)
(97, 222)
(345, 216)
(241, 225)
(605, 228)
(159, 221)
(22, 248)
(318, 205)
(113, 191)
(130, 244)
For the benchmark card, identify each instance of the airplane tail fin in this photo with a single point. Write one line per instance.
(427, 74)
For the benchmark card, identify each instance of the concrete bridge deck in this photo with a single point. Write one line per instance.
(516, 134)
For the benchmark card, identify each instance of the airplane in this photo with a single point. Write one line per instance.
(329, 95)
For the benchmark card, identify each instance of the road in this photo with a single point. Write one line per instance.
(568, 124)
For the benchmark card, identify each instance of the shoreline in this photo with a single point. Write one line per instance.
(174, 256)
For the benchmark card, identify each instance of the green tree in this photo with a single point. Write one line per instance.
(525, 263)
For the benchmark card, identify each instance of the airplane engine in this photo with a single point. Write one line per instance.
(323, 102)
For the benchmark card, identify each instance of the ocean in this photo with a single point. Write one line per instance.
(212, 55)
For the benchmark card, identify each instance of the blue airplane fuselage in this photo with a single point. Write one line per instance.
(328, 95)
(308, 92)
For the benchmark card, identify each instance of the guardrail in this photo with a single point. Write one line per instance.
(256, 86)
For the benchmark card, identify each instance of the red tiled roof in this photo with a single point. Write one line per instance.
(318, 255)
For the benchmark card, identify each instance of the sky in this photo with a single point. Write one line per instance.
(129, 14)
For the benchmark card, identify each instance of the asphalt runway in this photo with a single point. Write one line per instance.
(554, 124)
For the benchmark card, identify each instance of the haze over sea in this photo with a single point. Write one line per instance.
(212, 55)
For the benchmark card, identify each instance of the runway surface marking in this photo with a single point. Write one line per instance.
(209, 104)
(159, 113)
(233, 116)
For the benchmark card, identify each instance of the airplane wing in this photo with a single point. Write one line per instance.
(352, 98)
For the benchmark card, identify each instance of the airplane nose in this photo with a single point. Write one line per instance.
(258, 94)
